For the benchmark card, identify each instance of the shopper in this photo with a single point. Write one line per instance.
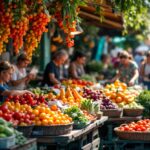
(52, 73)
(6, 70)
(145, 71)
(127, 71)
(76, 69)
(20, 78)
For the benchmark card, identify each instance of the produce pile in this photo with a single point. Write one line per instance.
(29, 99)
(142, 126)
(119, 93)
(69, 96)
(105, 102)
(24, 115)
(77, 82)
(7, 130)
(144, 100)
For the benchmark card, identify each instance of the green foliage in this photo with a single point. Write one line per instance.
(94, 66)
(76, 114)
(135, 13)
(144, 100)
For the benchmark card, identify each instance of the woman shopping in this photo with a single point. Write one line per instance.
(127, 71)
(20, 78)
(6, 70)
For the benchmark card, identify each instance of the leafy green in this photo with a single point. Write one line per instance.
(76, 114)
(144, 100)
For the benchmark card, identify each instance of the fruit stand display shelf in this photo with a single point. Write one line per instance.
(77, 139)
(107, 134)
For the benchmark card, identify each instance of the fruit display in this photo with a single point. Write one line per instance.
(29, 99)
(144, 100)
(17, 114)
(91, 94)
(133, 105)
(77, 82)
(71, 96)
(142, 126)
(46, 116)
(24, 115)
(119, 93)
(107, 104)
(77, 116)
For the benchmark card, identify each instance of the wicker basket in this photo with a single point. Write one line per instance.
(132, 112)
(52, 130)
(128, 135)
(112, 113)
(26, 130)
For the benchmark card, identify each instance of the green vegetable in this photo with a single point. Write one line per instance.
(2, 135)
(20, 139)
(89, 106)
(8, 131)
(2, 121)
(76, 114)
(144, 100)
(1, 128)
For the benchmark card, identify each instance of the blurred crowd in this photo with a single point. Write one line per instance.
(129, 69)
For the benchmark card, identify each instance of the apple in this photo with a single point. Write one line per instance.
(4, 108)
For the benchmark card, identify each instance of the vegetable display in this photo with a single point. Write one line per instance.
(77, 115)
(142, 125)
(144, 100)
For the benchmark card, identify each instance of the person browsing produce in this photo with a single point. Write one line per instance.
(127, 70)
(76, 69)
(20, 78)
(6, 70)
(52, 74)
(145, 71)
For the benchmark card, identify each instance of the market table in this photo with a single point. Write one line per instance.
(107, 134)
(78, 139)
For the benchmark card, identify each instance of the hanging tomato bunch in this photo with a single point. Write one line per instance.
(24, 22)
(5, 23)
(37, 25)
(19, 25)
(67, 28)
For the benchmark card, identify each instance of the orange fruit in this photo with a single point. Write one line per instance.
(42, 116)
(54, 107)
(35, 112)
(45, 122)
(38, 123)
(118, 100)
(42, 109)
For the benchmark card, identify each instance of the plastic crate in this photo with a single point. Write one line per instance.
(5, 143)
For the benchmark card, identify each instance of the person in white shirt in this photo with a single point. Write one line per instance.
(20, 78)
